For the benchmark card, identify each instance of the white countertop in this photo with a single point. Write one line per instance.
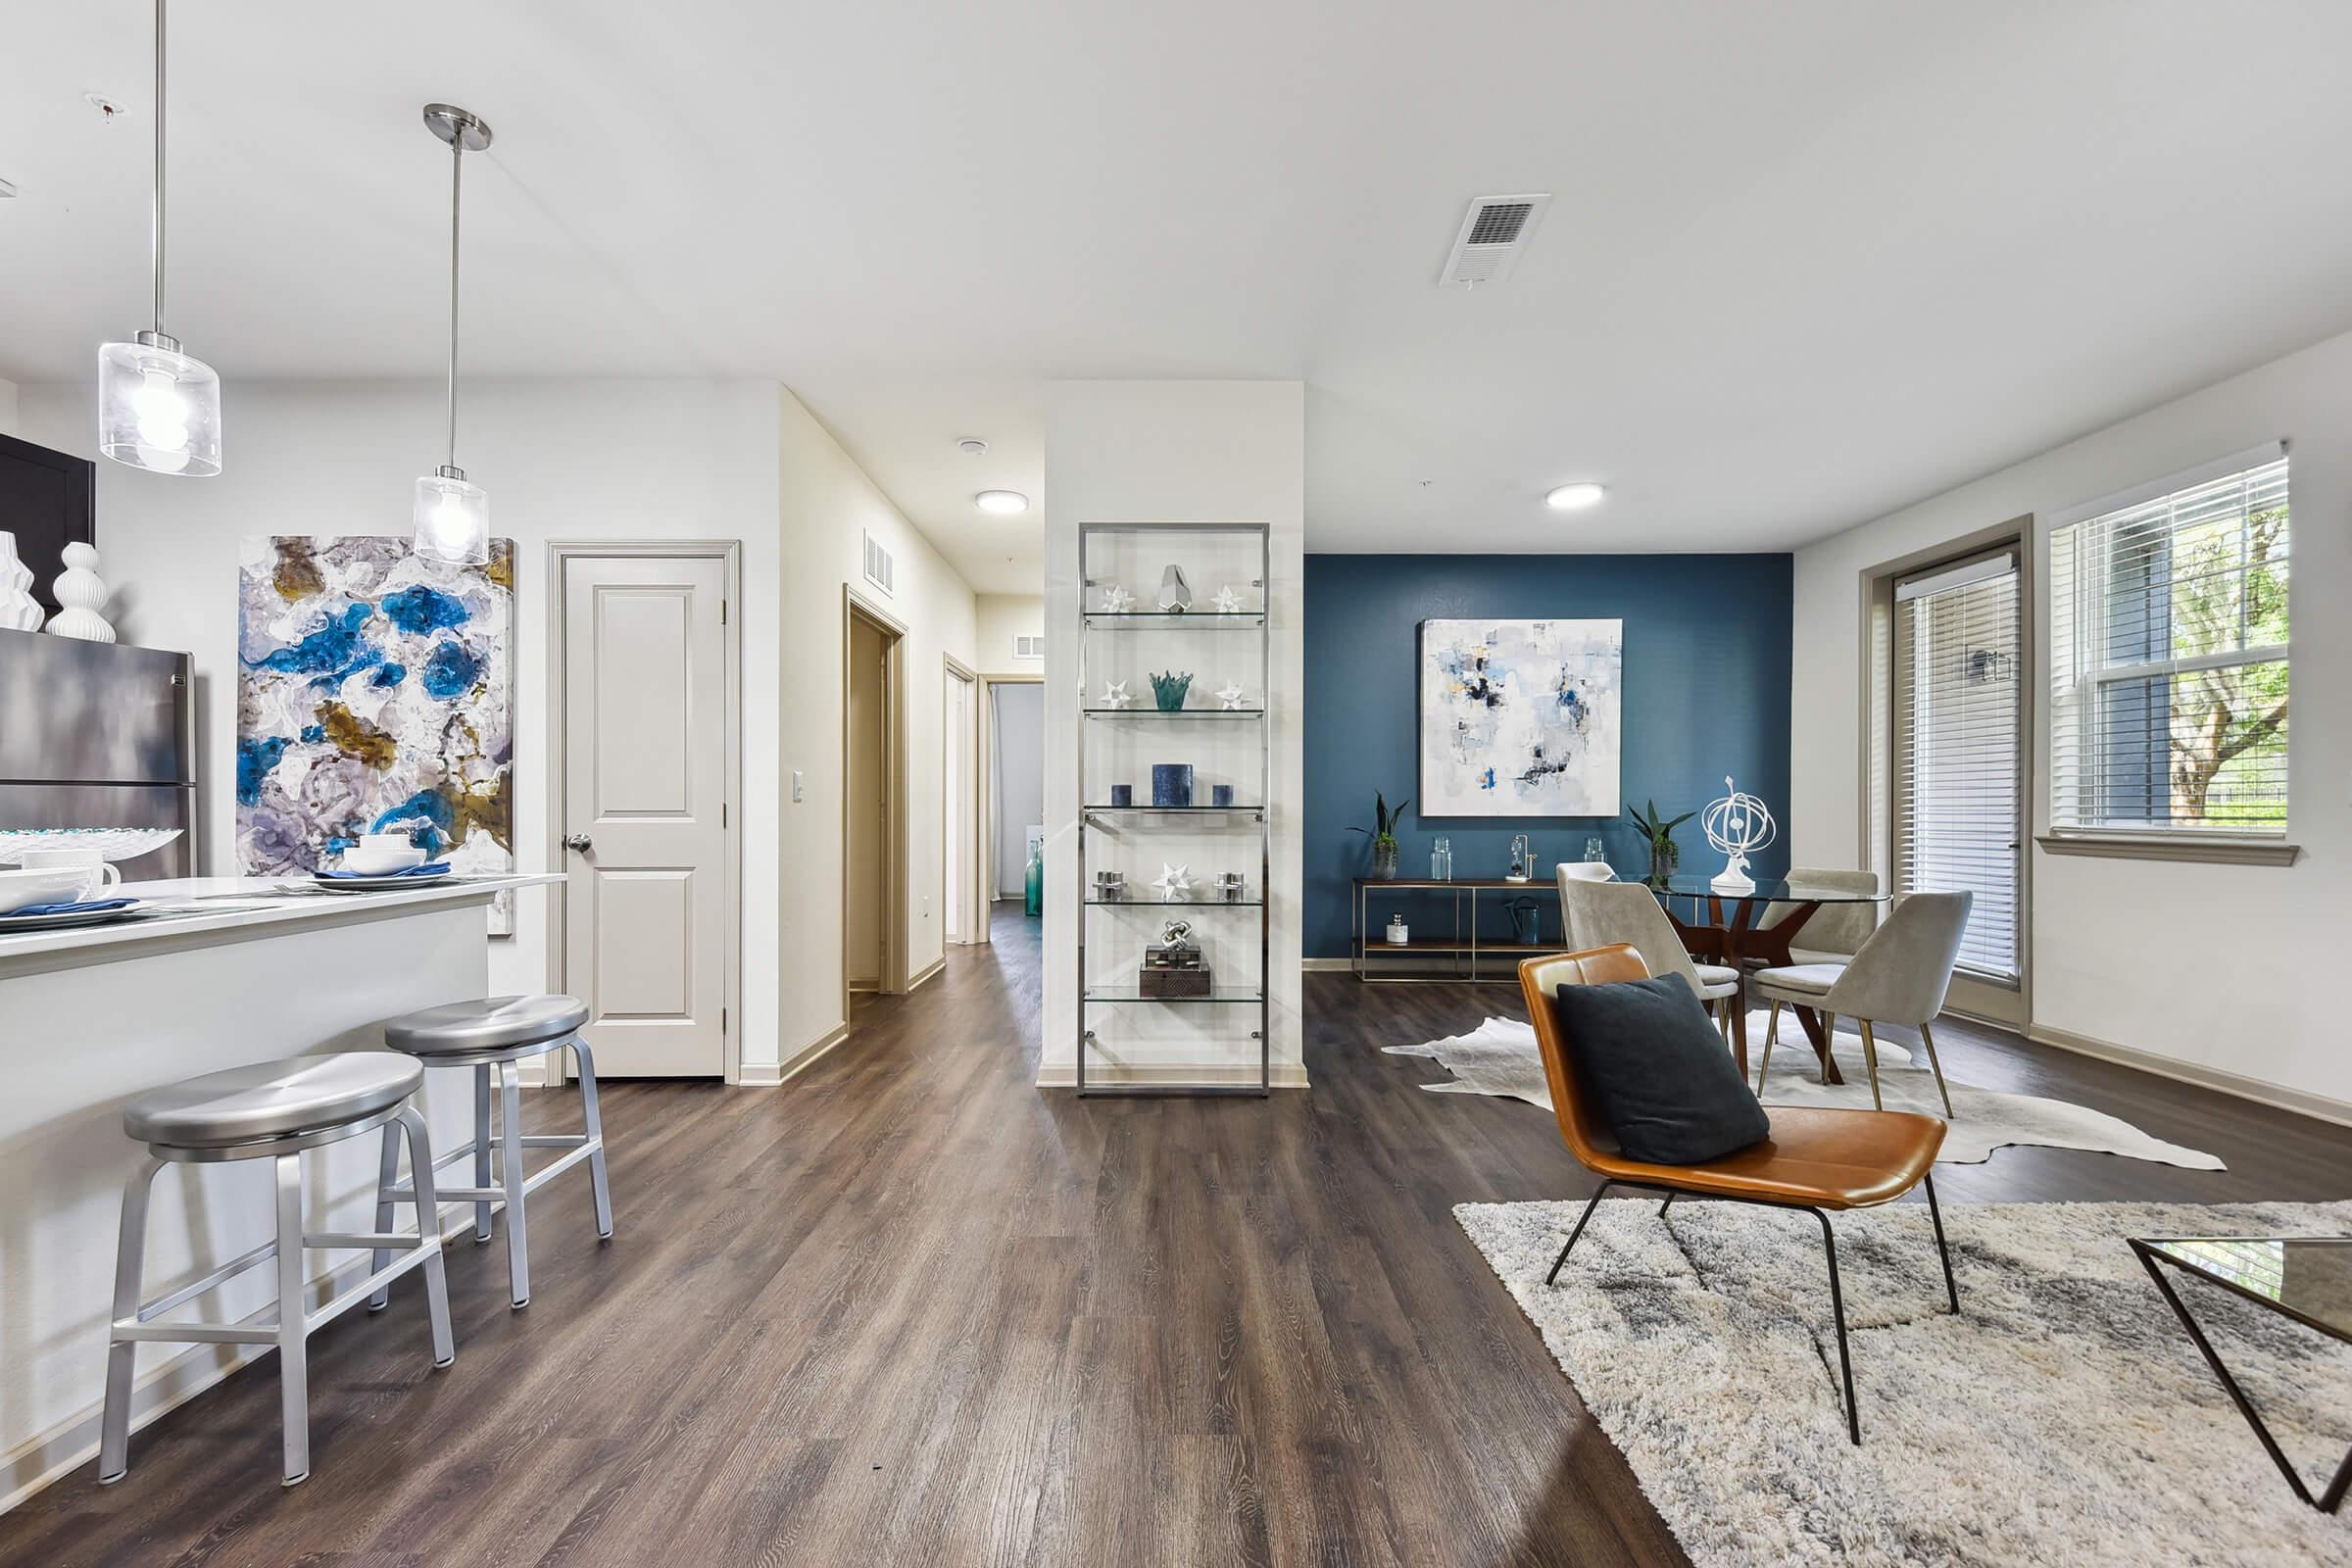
(211, 908)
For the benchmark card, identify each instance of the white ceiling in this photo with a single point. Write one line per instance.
(1804, 263)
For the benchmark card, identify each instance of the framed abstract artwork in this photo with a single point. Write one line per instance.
(375, 690)
(1521, 717)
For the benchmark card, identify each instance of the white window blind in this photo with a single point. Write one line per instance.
(1956, 806)
(2169, 661)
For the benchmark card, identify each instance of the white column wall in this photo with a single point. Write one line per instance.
(1174, 452)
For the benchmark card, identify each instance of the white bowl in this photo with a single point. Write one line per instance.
(57, 884)
(372, 859)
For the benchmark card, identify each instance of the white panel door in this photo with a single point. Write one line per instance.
(644, 820)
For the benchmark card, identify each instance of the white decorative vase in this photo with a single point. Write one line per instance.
(18, 610)
(82, 595)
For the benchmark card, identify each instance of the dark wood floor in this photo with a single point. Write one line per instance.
(908, 1309)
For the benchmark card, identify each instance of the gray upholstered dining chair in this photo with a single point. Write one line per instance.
(1836, 931)
(1601, 914)
(1899, 976)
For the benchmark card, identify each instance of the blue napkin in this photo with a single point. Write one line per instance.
(93, 908)
(431, 868)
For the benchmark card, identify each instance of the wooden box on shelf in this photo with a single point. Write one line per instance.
(1173, 965)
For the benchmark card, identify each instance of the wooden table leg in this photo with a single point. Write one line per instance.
(1739, 1029)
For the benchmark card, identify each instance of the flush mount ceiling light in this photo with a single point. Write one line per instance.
(158, 409)
(451, 517)
(1575, 497)
(1000, 501)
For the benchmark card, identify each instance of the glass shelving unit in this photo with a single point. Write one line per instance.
(1108, 643)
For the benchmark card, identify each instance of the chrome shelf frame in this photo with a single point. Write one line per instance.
(1108, 822)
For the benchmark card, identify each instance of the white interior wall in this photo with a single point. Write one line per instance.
(828, 504)
(621, 460)
(1174, 452)
(569, 460)
(1001, 617)
(8, 410)
(2225, 973)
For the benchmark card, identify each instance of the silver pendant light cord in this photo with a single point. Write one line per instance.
(456, 179)
(159, 168)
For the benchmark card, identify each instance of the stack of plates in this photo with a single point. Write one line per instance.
(375, 884)
(66, 918)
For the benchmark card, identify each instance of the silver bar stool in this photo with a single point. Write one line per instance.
(271, 1111)
(491, 1036)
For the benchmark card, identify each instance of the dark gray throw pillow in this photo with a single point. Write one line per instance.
(1658, 1073)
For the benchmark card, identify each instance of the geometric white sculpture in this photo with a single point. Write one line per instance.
(78, 589)
(1736, 826)
(18, 610)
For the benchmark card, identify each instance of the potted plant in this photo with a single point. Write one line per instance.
(1384, 837)
(1664, 857)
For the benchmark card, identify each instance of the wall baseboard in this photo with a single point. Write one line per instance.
(799, 1059)
(45, 1457)
(930, 971)
(2302, 1102)
(1286, 1075)
(1327, 965)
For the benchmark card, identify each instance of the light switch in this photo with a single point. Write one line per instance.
(796, 786)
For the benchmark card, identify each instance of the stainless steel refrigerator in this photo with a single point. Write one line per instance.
(99, 735)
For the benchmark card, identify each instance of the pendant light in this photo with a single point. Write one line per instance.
(452, 517)
(158, 409)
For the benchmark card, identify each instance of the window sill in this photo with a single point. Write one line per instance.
(2213, 849)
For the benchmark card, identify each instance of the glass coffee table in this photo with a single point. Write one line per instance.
(2305, 1278)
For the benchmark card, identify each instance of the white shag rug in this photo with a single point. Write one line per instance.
(2063, 1417)
(1501, 1058)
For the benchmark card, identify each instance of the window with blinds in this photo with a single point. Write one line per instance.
(2169, 660)
(1956, 745)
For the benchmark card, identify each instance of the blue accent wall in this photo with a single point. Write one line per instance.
(1706, 693)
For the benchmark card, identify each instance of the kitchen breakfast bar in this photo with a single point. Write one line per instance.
(210, 973)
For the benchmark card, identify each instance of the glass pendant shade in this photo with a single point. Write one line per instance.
(158, 409)
(453, 519)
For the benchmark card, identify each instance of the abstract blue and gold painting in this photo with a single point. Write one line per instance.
(1521, 717)
(375, 690)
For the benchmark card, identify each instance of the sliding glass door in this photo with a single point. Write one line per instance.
(1958, 745)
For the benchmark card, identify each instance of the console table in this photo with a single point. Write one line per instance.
(1462, 945)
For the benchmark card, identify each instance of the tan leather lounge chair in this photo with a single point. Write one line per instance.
(1816, 1160)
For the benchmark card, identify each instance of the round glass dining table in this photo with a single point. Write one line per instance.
(1755, 929)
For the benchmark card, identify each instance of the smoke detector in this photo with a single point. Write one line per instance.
(1495, 230)
(971, 445)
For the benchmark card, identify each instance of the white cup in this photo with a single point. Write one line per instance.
(98, 874)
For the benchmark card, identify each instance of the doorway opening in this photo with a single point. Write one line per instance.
(873, 792)
(959, 806)
(1952, 709)
(1016, 795)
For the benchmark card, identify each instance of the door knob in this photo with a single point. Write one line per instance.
(579, 842)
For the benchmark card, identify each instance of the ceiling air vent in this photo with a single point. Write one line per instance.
(1495, 230)
(880, 569)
